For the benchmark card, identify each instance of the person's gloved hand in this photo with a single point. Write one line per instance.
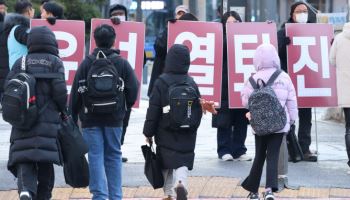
(149, 140)
(332, 41)
(172, 20)
(64, 116)
(51, 20)
(208, 106)
(287, 40)
(115, 20)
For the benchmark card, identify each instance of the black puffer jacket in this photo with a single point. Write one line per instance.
(21, 34)
(131, 91)
(40, 143)
(175, 148)
(160, 46)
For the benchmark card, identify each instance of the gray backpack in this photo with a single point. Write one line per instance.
(267, 114)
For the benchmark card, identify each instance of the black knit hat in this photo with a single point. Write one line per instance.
(115, 7)
(295, 5)
(54, 8)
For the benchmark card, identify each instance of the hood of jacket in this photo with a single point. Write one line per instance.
(42, 40)
(346, 30)
(177, 60)
(266, 56)
(13, 19)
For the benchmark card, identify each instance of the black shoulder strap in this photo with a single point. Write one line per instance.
(253, 83)
(273, 77)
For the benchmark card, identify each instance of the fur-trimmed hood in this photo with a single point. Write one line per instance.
(13, 19)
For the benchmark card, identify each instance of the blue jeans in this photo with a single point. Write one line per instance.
(104, 162)
(231, 140)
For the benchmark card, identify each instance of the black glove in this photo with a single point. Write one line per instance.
(115, 20)
(332, 41)
(172, 20)
(64, 115)
(51, 20)
(287, 40)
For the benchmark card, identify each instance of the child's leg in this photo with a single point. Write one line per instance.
(273, 150)
(181, 174)
(168, 182)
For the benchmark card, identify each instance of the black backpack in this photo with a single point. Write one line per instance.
(19, 101)
(267, 114)
(185, 110)
(104, 87)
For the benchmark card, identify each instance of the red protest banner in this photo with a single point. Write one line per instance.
(204, 39)
(242, 40)
(130, 41)
(70, 35)
(308, 64)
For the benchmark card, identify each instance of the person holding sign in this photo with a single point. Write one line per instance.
(231, 124)
(339, 56)
(298, 14)
(267, 144)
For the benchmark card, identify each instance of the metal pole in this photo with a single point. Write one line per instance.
(316, 132)
(139, 11)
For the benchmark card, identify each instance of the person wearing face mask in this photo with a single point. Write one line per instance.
(118, 13)
(231, 124)
(299, 13)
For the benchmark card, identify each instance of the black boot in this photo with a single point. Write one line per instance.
(347, 144)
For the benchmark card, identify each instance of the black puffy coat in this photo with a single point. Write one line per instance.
(130, 91)
(175, 148)
(226, 117)
(160, 46)
(40, 144)
(21, 34)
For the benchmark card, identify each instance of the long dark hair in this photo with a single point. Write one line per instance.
(228, 14)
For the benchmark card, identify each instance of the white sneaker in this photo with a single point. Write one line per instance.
(24, 195)
(227, 157)
(243, 157)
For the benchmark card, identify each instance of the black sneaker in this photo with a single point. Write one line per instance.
(310, 157)
(268, 195)
(25, 196)
(181, 192)
(124, 159)
(253, 195)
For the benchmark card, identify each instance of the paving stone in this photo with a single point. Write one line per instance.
(339, 192)
(9, 195)
(313, 193)
(129, 192)
(196, 185)
(146, 192)
(287, 193)
(61, 193)
(219, 187)
(79, 193)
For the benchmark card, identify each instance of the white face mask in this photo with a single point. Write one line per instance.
(301, 17)
(121, 17)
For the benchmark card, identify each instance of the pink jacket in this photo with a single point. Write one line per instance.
(266, 62)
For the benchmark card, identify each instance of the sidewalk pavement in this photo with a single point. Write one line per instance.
(211, 177)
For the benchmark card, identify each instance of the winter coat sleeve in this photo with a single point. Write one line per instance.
(282, 48)
(131, 85)
(21, 34)
(75, 102)
(160, 45)
(154, 112)
(291, 103)
(245, 93)
(333, 52)
(59, 88)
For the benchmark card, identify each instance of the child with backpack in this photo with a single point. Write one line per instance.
(271, 99)
(173, 117)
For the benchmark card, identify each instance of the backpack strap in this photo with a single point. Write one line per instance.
(23, 64)
(274, 77)
(253, 83)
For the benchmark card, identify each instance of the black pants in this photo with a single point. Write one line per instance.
(304, 131)
(125, 124)
(347, 117)
(266, 147)
(36, 178)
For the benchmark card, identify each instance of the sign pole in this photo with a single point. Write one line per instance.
(316, 132)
